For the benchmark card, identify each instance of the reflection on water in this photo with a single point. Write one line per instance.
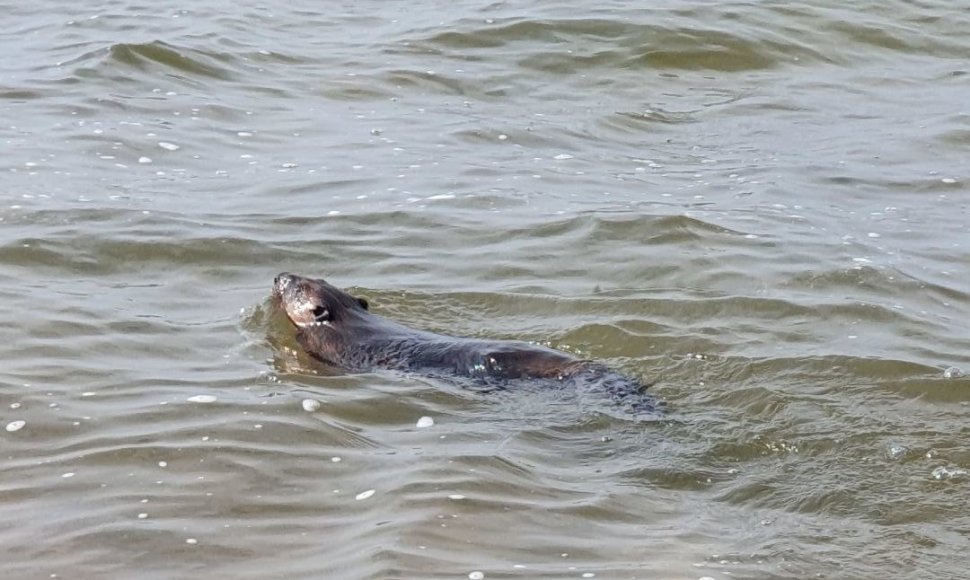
(763, 209)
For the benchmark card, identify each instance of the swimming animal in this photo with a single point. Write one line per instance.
(339, 329)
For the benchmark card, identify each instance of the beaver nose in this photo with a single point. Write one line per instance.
(282, 281)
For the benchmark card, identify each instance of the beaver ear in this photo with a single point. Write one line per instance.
(363, 303)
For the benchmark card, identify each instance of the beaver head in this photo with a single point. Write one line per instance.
(321, 312)
(314, 303)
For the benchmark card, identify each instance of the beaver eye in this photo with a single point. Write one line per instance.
(321, 314)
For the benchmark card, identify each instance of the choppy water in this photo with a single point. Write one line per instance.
(761, 206)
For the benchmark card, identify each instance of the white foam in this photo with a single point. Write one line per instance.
(424, 422)
(896, 451)
(310, 405)
(364, 494)
(202, 399)
(943, 472)
(15, 425)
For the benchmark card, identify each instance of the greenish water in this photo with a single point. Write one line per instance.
(761, 207)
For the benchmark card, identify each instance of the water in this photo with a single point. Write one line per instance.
(761, 207)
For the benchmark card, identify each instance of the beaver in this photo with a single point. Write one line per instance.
(339, 330)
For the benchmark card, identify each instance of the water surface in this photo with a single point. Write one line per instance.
(761, 207)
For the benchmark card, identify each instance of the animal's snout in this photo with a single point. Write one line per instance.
(283, 281)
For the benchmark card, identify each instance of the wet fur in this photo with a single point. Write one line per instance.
(339, 329)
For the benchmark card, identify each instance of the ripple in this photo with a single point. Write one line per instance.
(161, 56)
(759, 206)
(625, 45)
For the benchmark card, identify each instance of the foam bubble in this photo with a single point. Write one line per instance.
(943, 472)
(424, 422)
(952, 373)
(15, 425)
(896, 451)
(202, 399)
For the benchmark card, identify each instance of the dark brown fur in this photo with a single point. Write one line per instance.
(339, 329)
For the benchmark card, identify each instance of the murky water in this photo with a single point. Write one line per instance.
(761, 207)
